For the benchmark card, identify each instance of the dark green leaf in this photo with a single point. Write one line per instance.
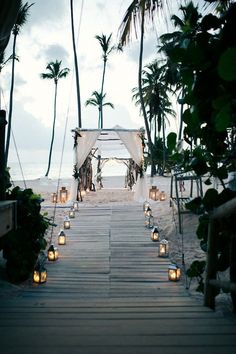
(226, 65)
(210, 199)
(171, 141)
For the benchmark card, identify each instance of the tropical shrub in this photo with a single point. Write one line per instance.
(205, 52)
(22, 246)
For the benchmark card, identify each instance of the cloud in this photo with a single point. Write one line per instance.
(55, 51)
(44, 11)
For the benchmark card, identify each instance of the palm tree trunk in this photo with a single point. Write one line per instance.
(164, 146)
(53, 131)
(181, 117)
(103, 79)
(76, 66)
(153, 169)
(11, 100)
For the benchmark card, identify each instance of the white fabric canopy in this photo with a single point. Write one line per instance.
(85, 143)
(133, 143)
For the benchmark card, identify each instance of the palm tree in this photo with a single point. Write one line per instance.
(134, 16)
(20, 21)
(107, 49)
(187, 26)
(54, 73)
(156, 99)
(76, 66)
(97, 100)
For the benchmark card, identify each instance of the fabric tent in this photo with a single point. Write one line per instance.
(119, 139)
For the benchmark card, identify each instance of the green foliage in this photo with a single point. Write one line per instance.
(196, 270)
(204, 51)
(22, 246)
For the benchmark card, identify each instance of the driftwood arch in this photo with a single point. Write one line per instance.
(89, 144)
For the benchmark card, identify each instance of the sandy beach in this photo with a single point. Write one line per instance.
(183, 248)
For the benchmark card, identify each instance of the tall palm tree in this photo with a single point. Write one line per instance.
(187, 27)
(134, 17)
(156, 99)
(54, 73)
(76, 66)
(105, 43)
(20, 21)
(97, 100)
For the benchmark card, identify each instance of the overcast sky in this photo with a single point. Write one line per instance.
(46, 37)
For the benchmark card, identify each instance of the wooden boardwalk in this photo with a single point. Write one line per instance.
(108, 293)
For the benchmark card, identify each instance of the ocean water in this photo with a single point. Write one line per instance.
(34, 170)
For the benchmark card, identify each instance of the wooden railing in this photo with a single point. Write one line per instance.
(219, 215)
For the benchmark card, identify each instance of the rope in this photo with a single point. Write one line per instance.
(18, 158)
(65, 129)
(14, 142)
(59, 174)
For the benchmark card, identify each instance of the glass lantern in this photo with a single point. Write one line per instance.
(63, 195)
(54, 197)
(155, 234)
(67, 223)
(154, 193)
(52, 253)
(61, 238)
(72, 213)
(39, 274)
(76, 205)
(148, 211)
(174, 272)
(145, 205)
(163, 249)
(149, 221)
(162, 196)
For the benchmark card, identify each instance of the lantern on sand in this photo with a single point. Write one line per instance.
(54, 197)
(174, 272)
(162, 196)
(52, 253)
(61, 238)
(63, 195)
(154, 193)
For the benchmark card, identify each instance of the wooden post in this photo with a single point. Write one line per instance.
(233, 267)
(209, 293)
(3, 123)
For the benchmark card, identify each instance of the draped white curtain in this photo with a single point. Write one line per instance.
(133, 144)
(85, 143)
